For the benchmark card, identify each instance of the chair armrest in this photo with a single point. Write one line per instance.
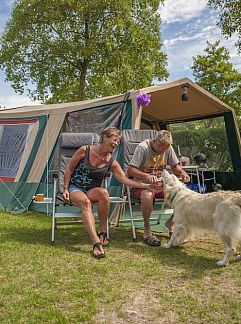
(54, 173)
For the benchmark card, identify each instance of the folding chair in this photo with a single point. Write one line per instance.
(68, 144)
(130, 139)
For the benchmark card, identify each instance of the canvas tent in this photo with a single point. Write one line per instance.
(28, 135)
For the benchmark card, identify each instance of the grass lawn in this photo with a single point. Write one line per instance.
(135, 283)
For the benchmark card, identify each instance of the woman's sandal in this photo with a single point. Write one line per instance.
(98, 245)
(104, 238)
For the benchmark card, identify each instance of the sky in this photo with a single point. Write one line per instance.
(186, 27)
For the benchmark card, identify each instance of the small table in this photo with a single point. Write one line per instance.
(47, 200)
(199, 172)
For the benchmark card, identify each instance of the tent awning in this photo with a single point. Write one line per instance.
(167, 105)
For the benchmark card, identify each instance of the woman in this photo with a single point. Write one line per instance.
(83, 179)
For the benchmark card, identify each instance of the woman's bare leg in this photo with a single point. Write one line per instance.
(101, 197)
(80, 200)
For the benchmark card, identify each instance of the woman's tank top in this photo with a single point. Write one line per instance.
(86, 176)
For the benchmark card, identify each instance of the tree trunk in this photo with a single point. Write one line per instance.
(82, 81)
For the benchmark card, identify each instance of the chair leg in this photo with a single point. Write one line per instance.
(160, 215)
(107, 229)
(131, 215)
(122, 213)
(53, 211)
(53, 228)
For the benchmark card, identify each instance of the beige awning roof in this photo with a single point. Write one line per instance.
(166, 103)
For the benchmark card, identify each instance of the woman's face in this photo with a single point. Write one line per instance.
(111, 142)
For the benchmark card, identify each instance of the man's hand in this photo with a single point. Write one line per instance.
(185, 177)
(150, 178)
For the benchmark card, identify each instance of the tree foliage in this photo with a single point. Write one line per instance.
(230, 17)
(76, 49)
(214, 72)
(210, 141)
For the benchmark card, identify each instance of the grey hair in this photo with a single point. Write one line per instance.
(109, 132)
(164, 136)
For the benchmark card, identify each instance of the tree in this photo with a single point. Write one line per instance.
(214, 72)
(230, 17)
(210, 141)
(76, 49)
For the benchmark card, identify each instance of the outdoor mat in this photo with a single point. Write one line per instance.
(139, 224)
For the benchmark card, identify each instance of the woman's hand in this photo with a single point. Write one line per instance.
(66, 194)
(153, 186)
(150, 178)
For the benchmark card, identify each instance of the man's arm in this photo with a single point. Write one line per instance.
(177, 170)
(134, 172)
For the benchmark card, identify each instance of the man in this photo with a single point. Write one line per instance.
(150, 158)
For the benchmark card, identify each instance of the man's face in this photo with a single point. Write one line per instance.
(160, 147)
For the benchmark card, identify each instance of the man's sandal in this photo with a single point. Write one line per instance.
(103, 237)
(152, 241)
(98, 245)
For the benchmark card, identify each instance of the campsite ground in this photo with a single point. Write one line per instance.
(135, 283)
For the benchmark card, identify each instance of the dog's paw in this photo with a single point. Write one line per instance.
(222, 263)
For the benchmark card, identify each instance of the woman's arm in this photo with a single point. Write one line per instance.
(78, 155)
(120, 175)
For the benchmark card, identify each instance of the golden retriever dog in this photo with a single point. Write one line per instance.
(195, 212)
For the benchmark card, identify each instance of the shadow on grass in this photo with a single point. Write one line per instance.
(64, 236)
(71, 238)
(190, 258)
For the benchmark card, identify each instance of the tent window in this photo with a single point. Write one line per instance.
(13, 139)
(94, 119)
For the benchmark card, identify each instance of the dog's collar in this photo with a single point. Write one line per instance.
(174, 195)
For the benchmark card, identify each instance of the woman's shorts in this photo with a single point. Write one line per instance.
(73, 188)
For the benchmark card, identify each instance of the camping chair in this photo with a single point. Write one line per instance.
(61, 210)
(130, 139)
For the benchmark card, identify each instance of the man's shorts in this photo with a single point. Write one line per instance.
(136, 192)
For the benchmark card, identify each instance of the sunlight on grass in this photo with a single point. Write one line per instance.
(63, 283)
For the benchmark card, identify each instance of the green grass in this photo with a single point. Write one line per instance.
(135, 283)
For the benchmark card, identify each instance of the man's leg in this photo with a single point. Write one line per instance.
(146, 209)
(146, 197)
(80, 200)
